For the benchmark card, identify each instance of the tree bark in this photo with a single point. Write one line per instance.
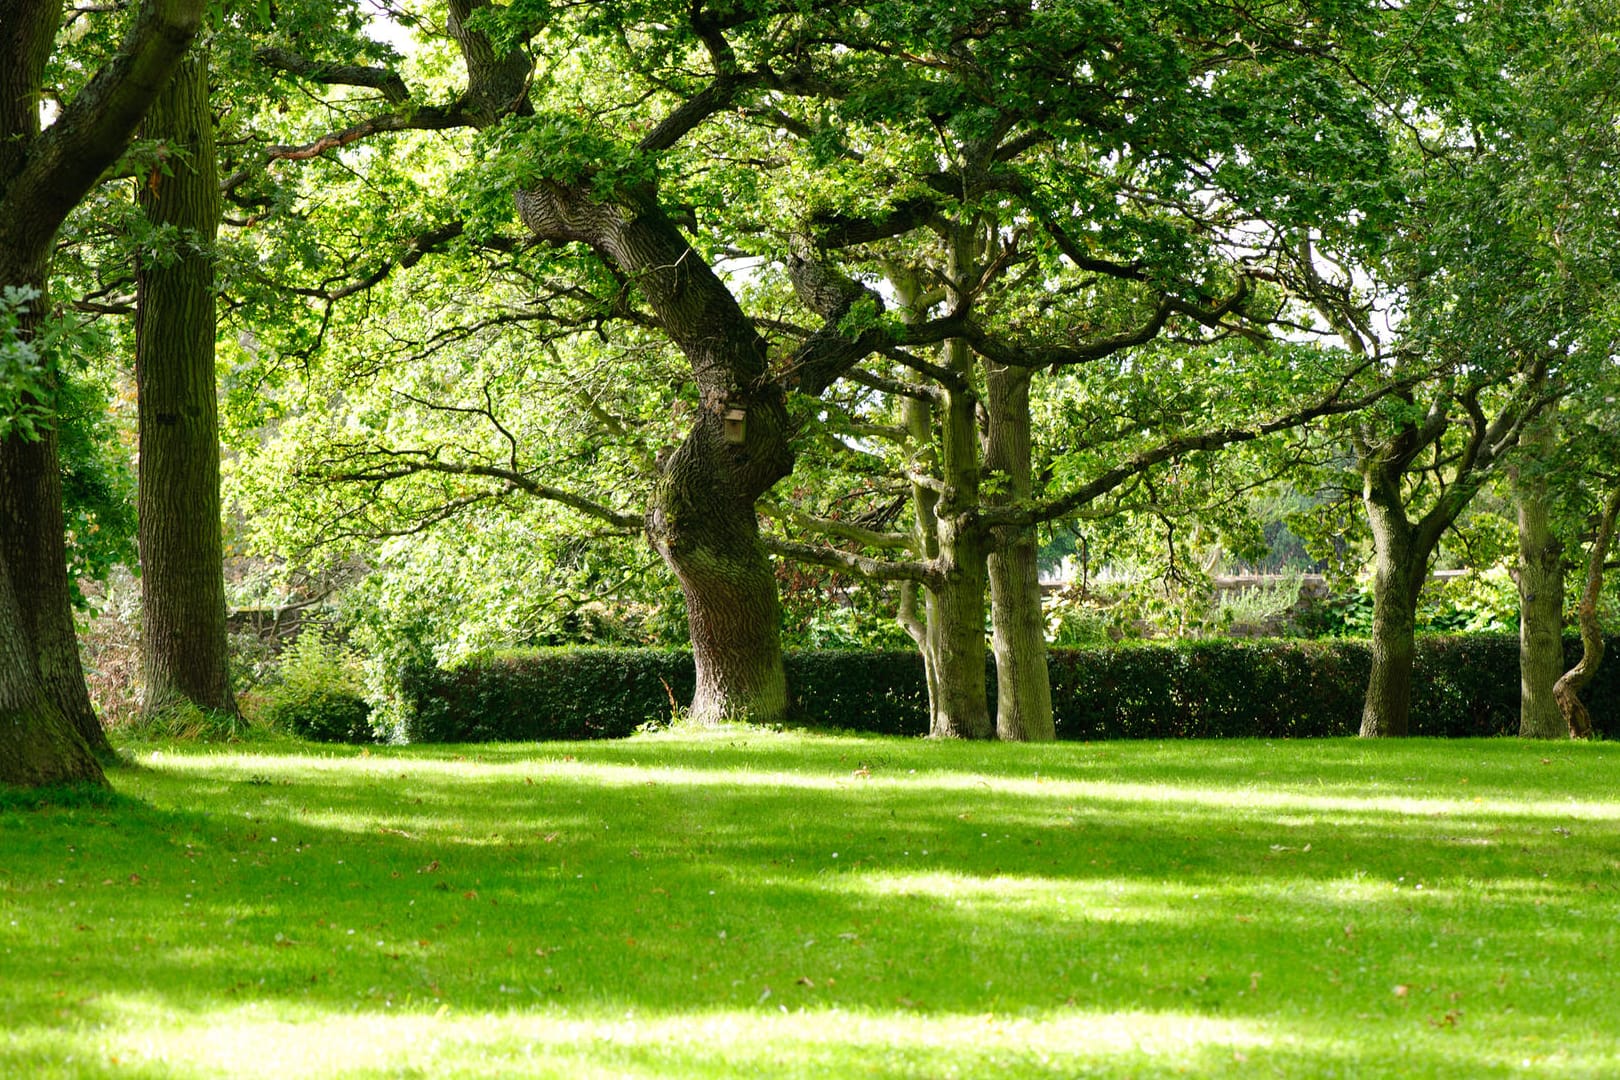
(1399, 565)
(956, 634)
(1566, 691)
(1018, 626)
(183, 636)
(37, 744)
(33, 546)
(701, 518)
(1541, 597)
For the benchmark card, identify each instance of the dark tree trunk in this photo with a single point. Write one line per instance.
(183, 637)
(1018, 626)
(702, 518)
(33, 546)
(37, 744)
(1541, 599)
(1567, 690)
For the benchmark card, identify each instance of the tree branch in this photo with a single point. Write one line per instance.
(332, 74)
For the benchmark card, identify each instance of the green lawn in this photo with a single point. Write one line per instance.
(798, 905)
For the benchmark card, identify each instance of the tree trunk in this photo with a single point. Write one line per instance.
(919, 422)
(956, 634)
(183, 636)
(1398, 572)
(1566, 691)
(37, 744)
(1541, 599)
(701, 518)
(1018, 626)
(32, 542)
(708, 533)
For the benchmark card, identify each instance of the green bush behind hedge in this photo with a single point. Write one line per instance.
(1463, 686)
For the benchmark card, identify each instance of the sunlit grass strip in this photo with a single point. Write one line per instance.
(804, 906)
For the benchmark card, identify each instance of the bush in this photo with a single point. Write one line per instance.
(1462, 686)
(569, 693)
(322, 716)
(318, 692)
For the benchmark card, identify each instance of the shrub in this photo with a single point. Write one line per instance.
(569, 693)
(318, 694)
(1462, 686)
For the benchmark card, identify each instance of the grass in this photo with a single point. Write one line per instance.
(798, 905)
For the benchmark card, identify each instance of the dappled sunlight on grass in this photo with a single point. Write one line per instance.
(840, 906)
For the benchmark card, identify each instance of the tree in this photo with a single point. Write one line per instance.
(43, 175)
(1479, 293)
(183, 639)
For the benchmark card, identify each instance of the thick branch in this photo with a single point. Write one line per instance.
(874, 569)
(68, 159)
(842, 530)
(331, 74)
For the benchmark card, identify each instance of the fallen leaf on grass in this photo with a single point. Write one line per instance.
(429, 868)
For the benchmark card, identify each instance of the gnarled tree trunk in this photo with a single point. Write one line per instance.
(702, 518)
(183, 638)
(37, 744)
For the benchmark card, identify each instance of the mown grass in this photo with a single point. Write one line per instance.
(799, 905)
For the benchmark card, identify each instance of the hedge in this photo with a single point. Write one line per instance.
(1462, 686)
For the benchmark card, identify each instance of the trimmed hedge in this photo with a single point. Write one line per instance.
(1462, 686)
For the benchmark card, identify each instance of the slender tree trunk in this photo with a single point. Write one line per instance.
(1566, 691)
(701, 518)
(183, 635)
(916, 625)
(1018, 626)
(919, 422)
(1398, 570)
(1541, 597)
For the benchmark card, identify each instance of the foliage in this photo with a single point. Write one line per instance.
(319, 692)
(98, 481)
(1464, 686)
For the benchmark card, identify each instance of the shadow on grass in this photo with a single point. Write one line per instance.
(741, 880)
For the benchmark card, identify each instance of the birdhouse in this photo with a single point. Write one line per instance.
(736, 421)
